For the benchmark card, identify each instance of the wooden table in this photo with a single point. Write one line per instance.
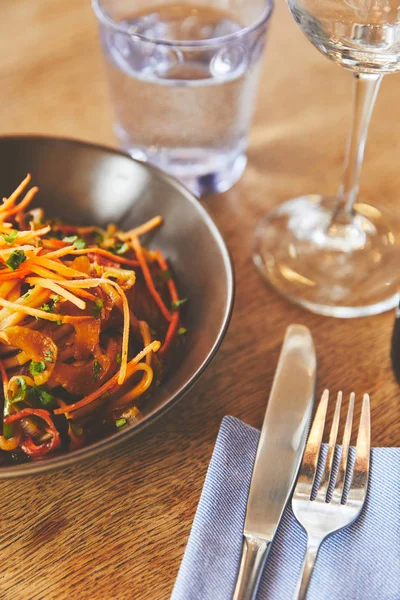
(117, 527)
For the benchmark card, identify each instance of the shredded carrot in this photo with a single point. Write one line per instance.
(18, 274)
(153, 347)
(57, 266)
(114, 257)
(149, 280)
(23, 204)
(53, 244)
(8, 203)
(145, 228)
(57, 289)
(60, 252)
(173, 326)
(41, 314)
(85, 294)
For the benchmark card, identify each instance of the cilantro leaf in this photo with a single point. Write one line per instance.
(22, 383)
(46, 307)
(97, 369)
(182, 330)
(119, 358)
(80, 244)
(15, 259)
(44, 397)
(178, 303)
(48, 356)
(9, 238)
(74, 239)
(120, 423)
(37, 367)
(98, 306)
(119, 248)
(98, 237)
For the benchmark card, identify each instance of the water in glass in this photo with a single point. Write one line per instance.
(186, 109)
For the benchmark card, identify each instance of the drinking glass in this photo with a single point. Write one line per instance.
(337, 255)
(183, 79)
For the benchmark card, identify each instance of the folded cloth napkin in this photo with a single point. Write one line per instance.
(361, 562)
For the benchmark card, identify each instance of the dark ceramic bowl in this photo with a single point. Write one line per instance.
(88, 184)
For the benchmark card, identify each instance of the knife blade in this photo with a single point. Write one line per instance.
(280, 450)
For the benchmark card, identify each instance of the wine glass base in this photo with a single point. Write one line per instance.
(350, 270)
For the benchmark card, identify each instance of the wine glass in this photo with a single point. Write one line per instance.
(336, 255)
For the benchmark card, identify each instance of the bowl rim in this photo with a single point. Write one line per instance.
(111, 442)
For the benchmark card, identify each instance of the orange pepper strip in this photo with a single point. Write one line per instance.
(173, 326)
(27, 444)
(149, 280)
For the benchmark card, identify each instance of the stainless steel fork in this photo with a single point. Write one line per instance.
(332, 509)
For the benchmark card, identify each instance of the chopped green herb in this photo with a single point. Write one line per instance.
(74, 239)
(25, 295)
(46, 307)
(98, 306)
(80, 244)
(48, 356)
(119, 358)
(182, 330)
(44, 397)
(178, 303)
(37, 367)
(22, 383)
(120, 422)
(97, 369)
(152, 331)
(9, 238)
(59, 322)
(15, 259)
(76, 429)
(56, 299)
(119, 248)
(98, 237)
(122, 248)
(166, 275)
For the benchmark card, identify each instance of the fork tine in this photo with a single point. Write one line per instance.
(341, 476)
(359, 481)
(326, 475)
(308, 467)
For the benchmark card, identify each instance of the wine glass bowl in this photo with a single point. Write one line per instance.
(337, 255)
(361, 35)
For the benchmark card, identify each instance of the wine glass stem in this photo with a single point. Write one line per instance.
(366, 88)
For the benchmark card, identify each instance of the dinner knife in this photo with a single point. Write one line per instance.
(279, 454)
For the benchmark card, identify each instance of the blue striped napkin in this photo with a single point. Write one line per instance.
(361, 562)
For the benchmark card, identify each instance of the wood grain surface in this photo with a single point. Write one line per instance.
(117, 527)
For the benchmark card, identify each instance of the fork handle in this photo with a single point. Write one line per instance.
(254, 554)
(313, 545)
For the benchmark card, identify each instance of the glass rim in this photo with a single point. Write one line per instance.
(257, 24)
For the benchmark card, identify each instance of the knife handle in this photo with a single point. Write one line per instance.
(254, 554)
